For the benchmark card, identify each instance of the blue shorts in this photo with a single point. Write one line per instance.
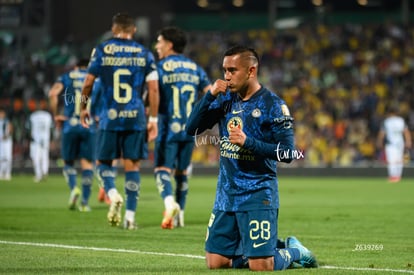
(78, 145)
(173, 154)
(248, 233)
(121, 144)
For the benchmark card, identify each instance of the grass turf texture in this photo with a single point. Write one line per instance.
(365, 224)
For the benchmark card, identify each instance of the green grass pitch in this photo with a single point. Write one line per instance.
(353, 225)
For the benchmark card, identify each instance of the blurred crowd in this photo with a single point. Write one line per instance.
(337, 81)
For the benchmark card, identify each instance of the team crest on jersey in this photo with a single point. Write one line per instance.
(175, 127)
(235, 122)
(112, 114)
(73, 121)
(256, 113)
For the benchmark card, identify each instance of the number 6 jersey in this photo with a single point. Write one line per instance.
(122, 66)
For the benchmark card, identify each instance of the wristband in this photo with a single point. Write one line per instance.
(153, 119)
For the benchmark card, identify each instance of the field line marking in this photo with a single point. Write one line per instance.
(103, 249)
(367, 269)
(183, 255)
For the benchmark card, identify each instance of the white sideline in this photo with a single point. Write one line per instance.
(184, 255)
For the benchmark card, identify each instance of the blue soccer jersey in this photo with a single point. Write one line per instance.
(122, 66)
(247, 177)
(72, 82)
(181, 80)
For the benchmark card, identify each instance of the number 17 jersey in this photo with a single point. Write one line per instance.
(122, 66)
(181, 80)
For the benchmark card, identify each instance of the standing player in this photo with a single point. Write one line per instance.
(181, 80)
(395, 136)
(78, 143)
(40, 124)
(6, 146)
(256, 131)
(124, 67)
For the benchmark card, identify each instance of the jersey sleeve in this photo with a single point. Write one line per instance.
(282, 147)
(204, 115)
(95, 61)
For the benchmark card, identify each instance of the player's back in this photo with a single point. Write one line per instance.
(4, 129)
(73, 83)
(40, 125)
(181, 81)
(394, 129)
(122, 65)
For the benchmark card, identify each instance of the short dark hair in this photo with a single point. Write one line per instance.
(242, 50)
(83, 62)
(176, 36)
(123, 19)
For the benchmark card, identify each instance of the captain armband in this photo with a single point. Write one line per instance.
(286, 120)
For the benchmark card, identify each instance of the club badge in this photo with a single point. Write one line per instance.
(235, 122)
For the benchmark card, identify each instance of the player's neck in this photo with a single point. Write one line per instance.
(249, 92)
(123, 35)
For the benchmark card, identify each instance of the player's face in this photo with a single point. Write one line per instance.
(162, 47)
(236, 73)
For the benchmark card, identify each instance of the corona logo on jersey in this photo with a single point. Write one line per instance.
(113, 48)
(171, 65)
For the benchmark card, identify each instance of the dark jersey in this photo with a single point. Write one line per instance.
(122, 65)
(73, 82)
(247, 178)
(180, 80)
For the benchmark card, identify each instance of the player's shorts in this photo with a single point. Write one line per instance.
(121, 144)
(174, 154)
(248, 233)
(78, 145)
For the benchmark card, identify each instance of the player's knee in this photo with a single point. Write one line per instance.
(261, 264)
(215, 261)
(162, 168)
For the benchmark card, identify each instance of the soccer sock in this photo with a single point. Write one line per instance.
(240, 262)
(132, 184)
(182, 190)
(163, 181)
(87, 177)
(284, 258)
(280, 244)
(69, 172)
(107, 176)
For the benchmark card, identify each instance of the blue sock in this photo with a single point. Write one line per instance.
(87, 177)
(280, 244)
(240, 262)
(69, 172)
(132, 185)
(181, 190)
(107, 175)
(163, 180)
(284, 258)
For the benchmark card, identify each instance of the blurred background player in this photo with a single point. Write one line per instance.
(78, 143)
(181, 80)
(125, 68)
(6, 146)
(394, 136)
(40, 124)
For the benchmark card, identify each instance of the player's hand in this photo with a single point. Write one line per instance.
(152, 130)
(237, 136)
(59, 119)
(220, 86)
(84, 118)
